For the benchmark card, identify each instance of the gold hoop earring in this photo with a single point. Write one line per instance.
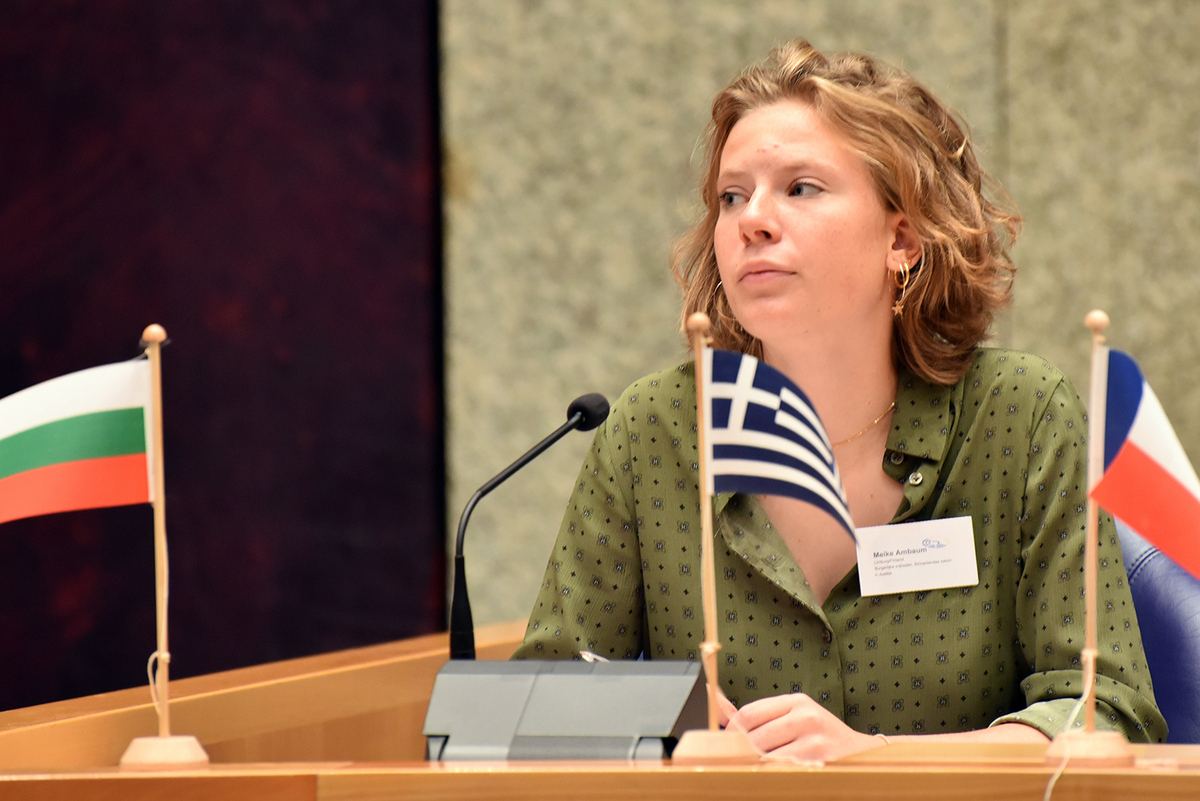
(900, 277)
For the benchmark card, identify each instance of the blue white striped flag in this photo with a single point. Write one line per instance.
(764, 437)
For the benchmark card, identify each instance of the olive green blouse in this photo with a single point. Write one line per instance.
(1005, 445)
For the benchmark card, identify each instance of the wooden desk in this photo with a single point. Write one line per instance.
(361, 705)
(348, 726)
(904, 772)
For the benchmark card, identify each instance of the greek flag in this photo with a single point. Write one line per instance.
(765, 438)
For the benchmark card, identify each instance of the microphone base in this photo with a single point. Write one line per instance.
(539, 710)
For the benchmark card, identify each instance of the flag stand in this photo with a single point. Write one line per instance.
(714, 745)
(163, 751)
(1088, 747)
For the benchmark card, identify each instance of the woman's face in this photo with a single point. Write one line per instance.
(803, 241)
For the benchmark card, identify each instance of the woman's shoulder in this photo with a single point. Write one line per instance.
(994, 376)
(673, 386)
(1005, 366)
(1002, 381)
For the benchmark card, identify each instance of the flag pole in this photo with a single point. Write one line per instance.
(698, 328)
(154, 336)
(163, 751)
(713, 745)
(1097, 321)
(1091, 748)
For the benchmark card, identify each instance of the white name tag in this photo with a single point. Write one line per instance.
(911, 557)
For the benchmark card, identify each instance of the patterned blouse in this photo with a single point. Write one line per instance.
(1006, 445)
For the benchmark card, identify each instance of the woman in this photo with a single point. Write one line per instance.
(846, 241)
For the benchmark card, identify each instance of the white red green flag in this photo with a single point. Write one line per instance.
(79, 441)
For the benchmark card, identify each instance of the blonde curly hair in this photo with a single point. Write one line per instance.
(923, 165)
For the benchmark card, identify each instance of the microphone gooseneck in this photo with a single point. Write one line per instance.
(585, 413)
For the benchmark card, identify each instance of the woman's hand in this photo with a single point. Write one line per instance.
(796, 726)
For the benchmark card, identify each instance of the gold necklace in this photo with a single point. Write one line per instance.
(869, 426)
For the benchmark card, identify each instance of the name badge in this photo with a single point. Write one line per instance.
(911, 557)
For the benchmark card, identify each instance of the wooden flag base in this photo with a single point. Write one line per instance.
(181, 751)
(1090, 749)
(714, 747)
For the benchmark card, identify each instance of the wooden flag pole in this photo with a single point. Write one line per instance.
(1097, 321)
(714, 745)
(698, 327)
(1091, 748)
(163, 751)
(154, 336)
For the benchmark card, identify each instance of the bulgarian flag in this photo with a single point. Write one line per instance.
(1148, 481)
(79, 441)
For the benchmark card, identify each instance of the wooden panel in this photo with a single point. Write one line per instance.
(908, 772)
(365, 704)
(118, 787)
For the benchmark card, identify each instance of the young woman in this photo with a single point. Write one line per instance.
(847, 241)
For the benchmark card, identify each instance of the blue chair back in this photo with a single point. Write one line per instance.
(1167, 600)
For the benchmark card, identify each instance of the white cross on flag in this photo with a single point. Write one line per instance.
(765, 438)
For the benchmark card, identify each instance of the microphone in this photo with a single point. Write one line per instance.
(585, 413)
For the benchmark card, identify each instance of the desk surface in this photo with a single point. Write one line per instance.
(900, 771)
(348, 726)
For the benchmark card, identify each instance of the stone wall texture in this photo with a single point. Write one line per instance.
(570, 128)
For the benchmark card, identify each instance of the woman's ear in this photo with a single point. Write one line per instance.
(906, 246)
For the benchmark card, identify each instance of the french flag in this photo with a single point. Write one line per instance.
(1148, 481)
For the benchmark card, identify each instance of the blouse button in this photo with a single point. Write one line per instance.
(915, 479)
(896, 457)
(827, 636)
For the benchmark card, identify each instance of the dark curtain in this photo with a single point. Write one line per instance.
(262, 180)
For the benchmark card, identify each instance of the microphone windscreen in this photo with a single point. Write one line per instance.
(592, 406)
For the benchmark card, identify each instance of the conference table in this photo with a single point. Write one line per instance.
(347, 725)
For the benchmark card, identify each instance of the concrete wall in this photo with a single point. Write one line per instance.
(570, 127)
